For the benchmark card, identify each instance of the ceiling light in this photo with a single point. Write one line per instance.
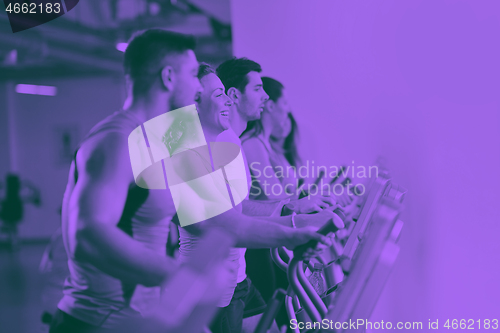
(36, 90)
(121, 46)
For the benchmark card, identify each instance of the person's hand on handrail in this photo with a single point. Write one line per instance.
(309, 204)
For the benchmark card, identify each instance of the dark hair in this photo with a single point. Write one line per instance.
(290, 144)
(254, 128)
(204, 70)
(274, 89)
(233, 72)
(145, 55)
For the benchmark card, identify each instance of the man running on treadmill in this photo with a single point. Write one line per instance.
(242, 81)
(114, 231)
(243, 85)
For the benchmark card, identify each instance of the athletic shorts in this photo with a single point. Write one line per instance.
(64, 323)
(246, 302)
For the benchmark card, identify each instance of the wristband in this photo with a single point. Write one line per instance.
(293, 220)
(285, 211)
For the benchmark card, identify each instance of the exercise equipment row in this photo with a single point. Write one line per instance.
(356, 267)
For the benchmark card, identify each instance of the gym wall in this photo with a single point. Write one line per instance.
(416, 82)
(38, 123)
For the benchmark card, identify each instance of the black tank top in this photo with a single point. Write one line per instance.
(93, 296)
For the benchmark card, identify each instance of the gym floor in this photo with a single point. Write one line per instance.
(21, 286)
(20, 289)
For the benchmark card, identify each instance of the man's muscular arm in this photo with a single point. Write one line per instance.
(95, 207)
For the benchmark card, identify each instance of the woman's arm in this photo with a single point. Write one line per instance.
(252, 232)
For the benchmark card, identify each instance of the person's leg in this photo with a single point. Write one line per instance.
(254, 307)
(261, 272)
(254, 302)
(266, 277)
(282, 282)
(230, 318)
(219, 323)
(13, 237)
(64, 323)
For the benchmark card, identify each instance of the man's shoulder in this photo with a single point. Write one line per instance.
(107, 148)
(119, 122)
(110, 135)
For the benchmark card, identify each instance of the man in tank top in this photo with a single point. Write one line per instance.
(114, 231)
(243, 84)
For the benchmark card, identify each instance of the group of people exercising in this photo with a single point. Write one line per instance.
(115, 232)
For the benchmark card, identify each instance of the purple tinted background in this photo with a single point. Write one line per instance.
(415, 81)
(419, 83)
(29, 144)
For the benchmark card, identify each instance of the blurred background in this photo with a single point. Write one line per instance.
(417, 82)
